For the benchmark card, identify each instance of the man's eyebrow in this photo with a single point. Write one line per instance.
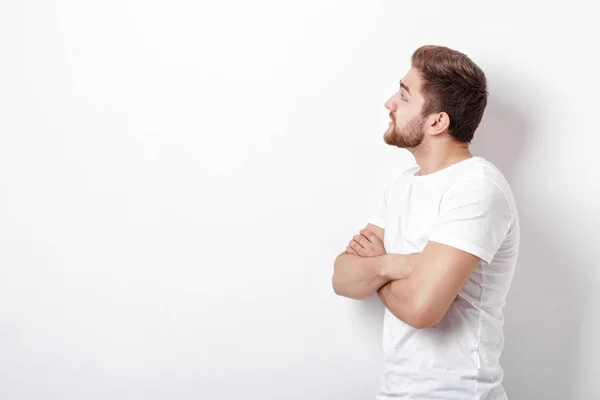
(403, 86)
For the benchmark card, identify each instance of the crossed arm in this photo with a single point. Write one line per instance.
(364, 267)
(418, 288)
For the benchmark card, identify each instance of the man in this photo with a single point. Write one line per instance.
(442, 254)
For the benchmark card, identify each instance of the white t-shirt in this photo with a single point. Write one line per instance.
(469, 206)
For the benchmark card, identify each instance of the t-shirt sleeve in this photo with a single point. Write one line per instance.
(474, 217)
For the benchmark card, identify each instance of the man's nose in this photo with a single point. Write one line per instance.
(390, 104)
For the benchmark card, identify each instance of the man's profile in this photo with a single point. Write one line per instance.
(442, 253)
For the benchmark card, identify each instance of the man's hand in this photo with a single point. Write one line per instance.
(366, 244)
(365, 266)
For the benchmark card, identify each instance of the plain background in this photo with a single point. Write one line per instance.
(176, 179)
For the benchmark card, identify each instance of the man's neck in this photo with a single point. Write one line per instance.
(433, 160)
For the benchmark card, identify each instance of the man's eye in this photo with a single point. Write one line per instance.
(402, 97)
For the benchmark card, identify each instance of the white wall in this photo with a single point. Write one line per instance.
(176, 179)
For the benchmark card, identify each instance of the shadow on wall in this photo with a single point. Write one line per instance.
(544, 305)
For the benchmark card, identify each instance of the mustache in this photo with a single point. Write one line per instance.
(392, 117)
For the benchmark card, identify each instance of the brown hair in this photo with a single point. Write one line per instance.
(454, 84)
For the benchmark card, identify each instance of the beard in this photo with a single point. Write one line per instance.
(408, 137)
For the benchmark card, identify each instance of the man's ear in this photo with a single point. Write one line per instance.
(438, 123)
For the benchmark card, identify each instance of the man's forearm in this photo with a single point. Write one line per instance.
(357, 277)
(360, 277)
(400, 298)
(397, 297)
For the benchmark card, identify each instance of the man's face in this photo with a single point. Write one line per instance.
(406, 125)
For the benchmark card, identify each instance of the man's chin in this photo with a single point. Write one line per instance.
(388, 138)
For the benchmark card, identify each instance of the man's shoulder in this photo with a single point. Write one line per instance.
(481, 177)
(485, 189)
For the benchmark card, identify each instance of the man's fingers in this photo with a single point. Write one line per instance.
(360, 240)
(370, 236)
(350, 250)
(357, 247)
